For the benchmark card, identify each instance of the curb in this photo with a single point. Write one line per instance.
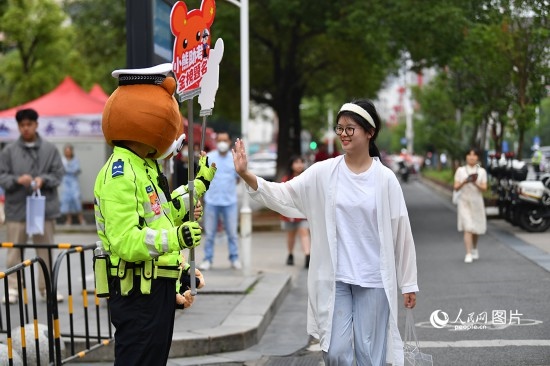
(243, 327)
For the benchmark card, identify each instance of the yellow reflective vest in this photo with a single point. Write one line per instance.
(135, 221)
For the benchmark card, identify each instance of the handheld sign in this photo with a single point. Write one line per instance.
(196, 68)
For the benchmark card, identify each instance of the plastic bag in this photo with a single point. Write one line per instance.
(36, 212)
(456, 197)
(413, 355)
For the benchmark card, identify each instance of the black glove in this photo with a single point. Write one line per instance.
(189, 235)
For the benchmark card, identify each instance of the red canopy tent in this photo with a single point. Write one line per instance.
(98, 93)
(66, 111)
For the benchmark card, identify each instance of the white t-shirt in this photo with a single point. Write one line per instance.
(357, 227)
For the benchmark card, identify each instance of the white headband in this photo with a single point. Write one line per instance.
(360, 111)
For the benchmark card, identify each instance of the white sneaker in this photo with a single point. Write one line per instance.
(205, 265)
(13, 296)
(236, 265)
(475, 254)
(468, 258)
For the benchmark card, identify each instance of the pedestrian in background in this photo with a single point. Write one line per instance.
(471, 181)
(71, 200)
(220, 203)
(295, 226)
(323, 153)
(28, 164)
(536, 161)
(362, 247)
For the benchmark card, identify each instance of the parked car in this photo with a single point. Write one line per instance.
(263, 164)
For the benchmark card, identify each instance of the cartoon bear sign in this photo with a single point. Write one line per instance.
(192, 45)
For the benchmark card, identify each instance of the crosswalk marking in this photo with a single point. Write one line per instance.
(471, 344)
(486, 343)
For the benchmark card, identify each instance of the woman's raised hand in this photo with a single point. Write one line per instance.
(241, 165)
(239, 157)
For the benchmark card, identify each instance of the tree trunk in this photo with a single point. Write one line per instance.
(290, 128)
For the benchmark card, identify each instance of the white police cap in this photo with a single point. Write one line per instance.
(150, 75)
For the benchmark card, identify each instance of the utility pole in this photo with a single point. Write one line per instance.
(139, 34)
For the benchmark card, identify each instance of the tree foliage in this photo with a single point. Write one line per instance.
(36, 49)
(307, 57)
(302, 50)
(495, 64)
(100, 39)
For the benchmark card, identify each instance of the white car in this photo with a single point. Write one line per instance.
(263, 164)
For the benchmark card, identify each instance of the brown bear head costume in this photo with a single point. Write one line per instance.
(143, 109)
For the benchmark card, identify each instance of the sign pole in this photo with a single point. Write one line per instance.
(191, 187)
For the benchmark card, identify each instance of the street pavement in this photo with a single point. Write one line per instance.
(492, 312)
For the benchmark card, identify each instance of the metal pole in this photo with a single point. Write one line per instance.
(191, 187)
(246, 211)
(203, 133)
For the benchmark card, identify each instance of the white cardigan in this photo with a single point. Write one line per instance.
(312, 195)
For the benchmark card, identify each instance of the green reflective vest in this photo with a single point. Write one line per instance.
(537, 157)
(135, 221)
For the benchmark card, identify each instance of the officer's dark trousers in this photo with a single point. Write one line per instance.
(144, 323)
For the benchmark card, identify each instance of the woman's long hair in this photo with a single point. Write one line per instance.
(289, 171)
(368, 106)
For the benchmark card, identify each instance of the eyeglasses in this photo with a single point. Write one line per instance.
(339, 130)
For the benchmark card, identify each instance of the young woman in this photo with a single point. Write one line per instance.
(295, 226)
(471, 182)
(362, 246)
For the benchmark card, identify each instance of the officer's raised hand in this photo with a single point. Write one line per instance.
(189, 235)
(205, 174)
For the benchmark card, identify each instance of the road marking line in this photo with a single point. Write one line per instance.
(470, 344)
(486, 343)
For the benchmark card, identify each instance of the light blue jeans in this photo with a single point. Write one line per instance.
(229, 217)
(359, 327)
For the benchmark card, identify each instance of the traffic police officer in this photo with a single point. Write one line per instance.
(142, 226)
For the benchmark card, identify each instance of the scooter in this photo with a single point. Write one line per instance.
(533, 204)
(403, 171)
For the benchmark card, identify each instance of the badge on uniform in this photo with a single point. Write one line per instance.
(118, 169)
(153, 199)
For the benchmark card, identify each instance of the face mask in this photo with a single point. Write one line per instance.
(223, 146)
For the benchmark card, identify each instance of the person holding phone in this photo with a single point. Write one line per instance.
(471, 181)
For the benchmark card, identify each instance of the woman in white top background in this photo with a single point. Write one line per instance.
(471, 181)
(362, 249)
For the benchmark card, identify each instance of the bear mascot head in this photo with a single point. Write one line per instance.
(143, 109)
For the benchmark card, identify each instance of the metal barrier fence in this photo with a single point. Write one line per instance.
(74, 328)
(23, 310)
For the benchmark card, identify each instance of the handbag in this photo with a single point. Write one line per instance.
(36, 213)
(456, 196)
(413, 355)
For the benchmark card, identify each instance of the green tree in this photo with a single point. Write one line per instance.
(481, 78)
(437, 125)
(305, 49)
(100, 40)
(528, 27)
(36, 49)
